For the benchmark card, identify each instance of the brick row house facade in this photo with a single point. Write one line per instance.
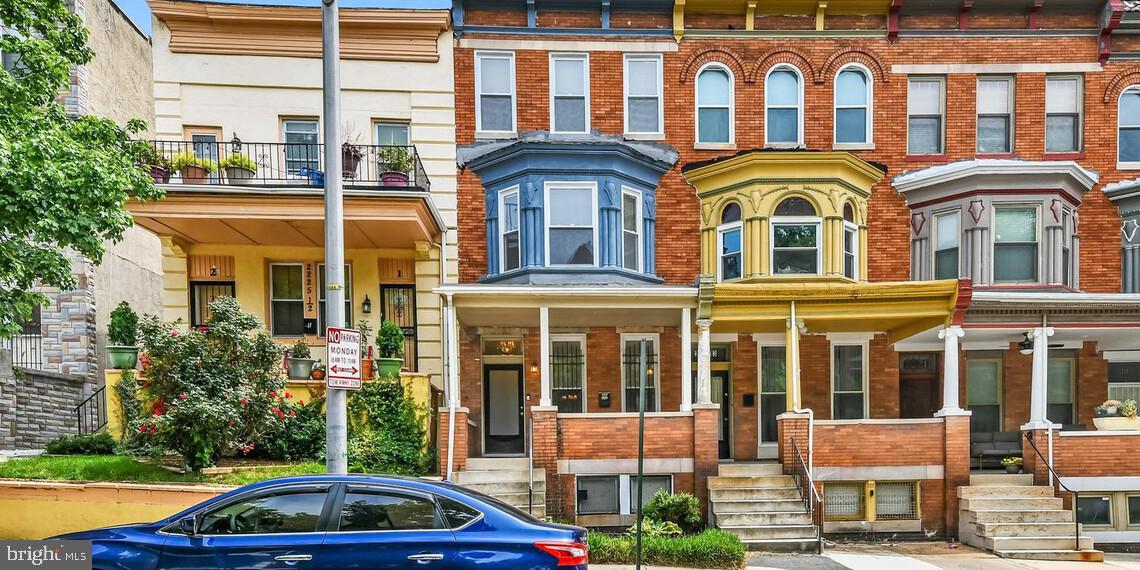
(862, 240)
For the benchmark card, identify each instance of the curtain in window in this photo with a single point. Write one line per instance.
(983, 397)
(1015, 247)
(496, 113)
(848, 404)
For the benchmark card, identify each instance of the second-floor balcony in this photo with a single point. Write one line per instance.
(286, 165)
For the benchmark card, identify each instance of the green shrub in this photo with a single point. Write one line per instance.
(300, 350)
(182, 160)
(395, 159)
(239, 160)
(651, 527)
(94, 444)
(710, 549)
(123, 330)
(301, 436)
(386, 430)
(682, 509)
(390, 340)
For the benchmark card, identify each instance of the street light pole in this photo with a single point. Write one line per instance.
(336, 436)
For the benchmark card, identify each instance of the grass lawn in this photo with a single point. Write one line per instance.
(119, 468)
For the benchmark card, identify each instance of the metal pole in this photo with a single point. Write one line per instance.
(643, 366)
(336, 437)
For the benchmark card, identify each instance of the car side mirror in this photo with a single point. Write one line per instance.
(188, 526)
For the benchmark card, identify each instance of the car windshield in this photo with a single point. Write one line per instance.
(520, 513)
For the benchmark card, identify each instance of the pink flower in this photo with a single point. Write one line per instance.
(273, 394)
(182, 396)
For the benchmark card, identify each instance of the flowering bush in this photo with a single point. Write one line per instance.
(213, 391)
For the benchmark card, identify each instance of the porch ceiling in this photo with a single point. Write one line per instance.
(1122, 337)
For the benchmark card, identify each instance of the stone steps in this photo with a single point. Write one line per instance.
(761, 506)
(1009, 543)
(772, 532)
(1060, 555)
(984, 491)
(1023, 529)
(1014, 516)
(1011, 504)
(762, 518)
(1001, 479)
(508, 479)
(751, 482)
(750, 469)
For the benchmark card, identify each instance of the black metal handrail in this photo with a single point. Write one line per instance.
(91, 414)
(299, 164)
(813, 500)
(1057, 478)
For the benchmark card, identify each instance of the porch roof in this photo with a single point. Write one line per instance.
(570, 306)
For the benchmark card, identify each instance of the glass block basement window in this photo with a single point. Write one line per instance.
(896, 500)
(843, 501)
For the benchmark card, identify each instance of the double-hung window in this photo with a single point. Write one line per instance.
(1015, 244)
(644, 111)
(926, 110)
(346, 286)
(853, 106)
(1063, 103)
(301, 150)
(946, 235)
(783, 102)
(849, 387)
(1124, 380)
(631, 370)
(983, 393)
(1066, 248)
(730, 245)
(631, 229)
(495, 92)
(995, 115)
(1128, 128)
(510, 252)
(714, 105)
(571, 223)
(286, 299)
(569, 93)
(568, 372)
(850, 243)
(795, 238)
(1060, 391)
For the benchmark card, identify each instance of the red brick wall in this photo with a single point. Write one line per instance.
(616, 437)
(745, 421)
(459, 459)
(1017, 382)
(1098, 455)
(884, 379)
(1092, 383)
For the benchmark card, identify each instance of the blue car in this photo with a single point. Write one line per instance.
(341, 523)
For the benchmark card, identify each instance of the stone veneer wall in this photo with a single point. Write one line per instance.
(35, 406)
(67, 326)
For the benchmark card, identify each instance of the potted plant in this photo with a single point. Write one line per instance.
(390, 343)
(1012, 465)
(1117, 416)
(122, 334)
(157, 163)
(365, 350)
(394, 164)
(193, 170)
(350, 151)
(299, 361)
(240, 169)
(318, 372)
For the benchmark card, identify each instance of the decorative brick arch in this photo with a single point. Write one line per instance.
(785, 55)
(1123, 80)
(869, 59)
(719, 55)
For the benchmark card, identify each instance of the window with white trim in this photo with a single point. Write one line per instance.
(1060, 391)
(1063, 103)
(945, 238)
(568, 372)
(995, 115)
(853, 106)
(569, 93)
(783, 104)
(510, 249)
(1066, 247)
(571, 224)
(286, 299)
(631, 370)
(495, 92)
(714, 105)
(644, 86)
(631, 229)
(850, 243)
(795, 238)
(926, 113)
(849, 382)
(301, 149)
(321, 314)
(1128, 127)
(730, 243)
(1015, 244)
(984, 393)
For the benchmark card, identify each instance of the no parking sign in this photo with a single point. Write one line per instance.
(344, 358)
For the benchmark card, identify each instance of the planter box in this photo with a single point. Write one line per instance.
(1117, 423)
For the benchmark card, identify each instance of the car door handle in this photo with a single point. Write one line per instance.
(426, 557)
(294, 558)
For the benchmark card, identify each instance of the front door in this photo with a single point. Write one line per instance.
(503, 425)
(773, 398)
(722, 395)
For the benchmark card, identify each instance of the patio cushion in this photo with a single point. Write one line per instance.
(1008, 436)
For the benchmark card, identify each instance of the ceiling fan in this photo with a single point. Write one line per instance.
(1026, 345)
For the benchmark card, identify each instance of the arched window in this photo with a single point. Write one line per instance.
(1128, 126)
(714, 104)
(853, 106)
(783, 102)
(850, 243)
(795, 238)
(730, 246)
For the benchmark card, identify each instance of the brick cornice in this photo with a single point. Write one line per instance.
(1121, 81)
(783, 55)
(867, 58)
(720, 55)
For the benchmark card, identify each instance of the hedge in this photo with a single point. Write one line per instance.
(710, 549)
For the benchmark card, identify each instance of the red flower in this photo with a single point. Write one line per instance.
(142, 429)
(275, 410)
(288, 395)
(273, 394)
(300, 402)
(182, 396)
(174, 332)
(244, 401)
(293, 414)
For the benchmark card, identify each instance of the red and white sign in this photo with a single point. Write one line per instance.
(344, 368)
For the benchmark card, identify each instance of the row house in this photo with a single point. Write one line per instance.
(857, 249)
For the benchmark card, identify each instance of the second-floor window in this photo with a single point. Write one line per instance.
(783, 102)
(995, 115)
(714, 105)
(730, 243)
(946, 245)
(1128, 127)
(569, 93)
(1062, 114)
(1015, 244)
(510, 252)
(631, 229)
(925, 113)
(644, 113)
(850, 243)
(795, 238)
(301, 150)
(495, 92)
(571, 221)
(852, 106)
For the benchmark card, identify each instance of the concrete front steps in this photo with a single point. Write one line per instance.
(762, 506)
(505, 478)
(1015, 519)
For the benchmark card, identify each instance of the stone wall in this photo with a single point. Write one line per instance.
(35, 406)
(117, 83)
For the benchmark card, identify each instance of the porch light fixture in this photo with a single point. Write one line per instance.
(533, 368)
(1025, 346)
(366, 306)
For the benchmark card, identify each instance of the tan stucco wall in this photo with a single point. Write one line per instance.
(131, 271)
(116, 84)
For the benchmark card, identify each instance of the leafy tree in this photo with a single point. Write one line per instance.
(63, 181)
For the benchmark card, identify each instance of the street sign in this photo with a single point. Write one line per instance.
(344, 358)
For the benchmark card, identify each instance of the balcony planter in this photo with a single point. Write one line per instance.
(394, 164)
(394, 179)
(193, 170)
(350, 156)
(159, 174)
(122, 357)
(1117, 423)
(240, 169)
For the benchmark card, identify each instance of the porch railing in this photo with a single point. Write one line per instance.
(91, 414)
(813, 500)
(300, 164)
(27, 350)
(1057, 478)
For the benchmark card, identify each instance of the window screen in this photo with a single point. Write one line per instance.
(843, 501)
(598, 495)
(1124, 381)
(896, 500)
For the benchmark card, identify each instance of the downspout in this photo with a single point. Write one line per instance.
(1048, 424)
(796, 386)
(445, 337)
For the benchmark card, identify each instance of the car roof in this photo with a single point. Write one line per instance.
(396, 480)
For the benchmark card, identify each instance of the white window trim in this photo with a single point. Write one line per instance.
(660, 133)
(941, 80)
(1125, 164)
(273, 299)
(850, 227)
(731, 142)
(580, 338)
(347, 298)
(956, 212)
(795, 221)
(1011, 137)
(799, 106)
(1080, 126)
(637, 195)
(585, 59)
(557, 185)
(868, 137)
(656, 338)
(376, 124)
(720, 231)
(865, 347)
(760, 346)
(502, 243)
(994, 207)
(479, 131)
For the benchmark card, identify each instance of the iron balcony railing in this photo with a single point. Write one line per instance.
(240, 163)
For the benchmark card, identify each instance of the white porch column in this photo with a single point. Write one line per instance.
(1040, 380)
(686, 360)
(950, 336)
(452, 355)
(704, 355)
(544, 354)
